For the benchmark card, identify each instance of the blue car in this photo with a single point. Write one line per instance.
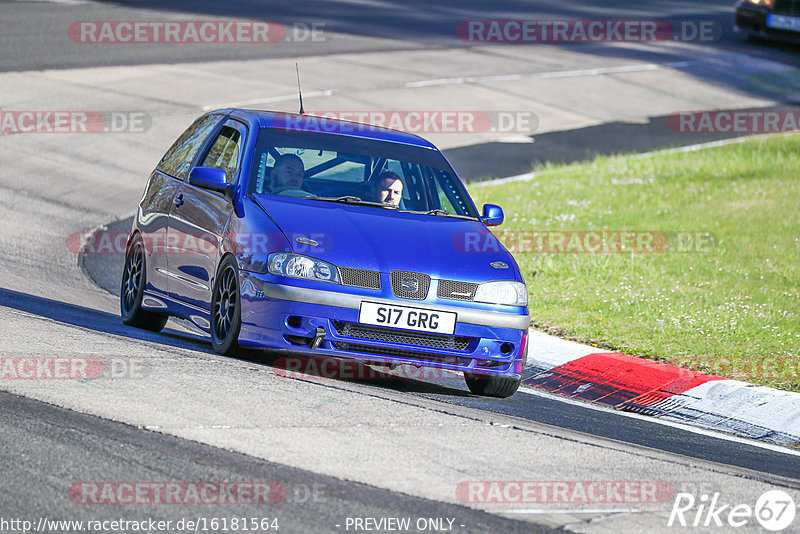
(327, 238)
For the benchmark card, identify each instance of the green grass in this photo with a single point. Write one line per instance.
(731, 309)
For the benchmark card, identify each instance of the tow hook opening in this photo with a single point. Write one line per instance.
(316, 341)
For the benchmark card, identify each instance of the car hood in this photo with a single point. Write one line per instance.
(377, 239)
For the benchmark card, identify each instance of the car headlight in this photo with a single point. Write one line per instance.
(503, 292)
(766, 3)
(297, 266)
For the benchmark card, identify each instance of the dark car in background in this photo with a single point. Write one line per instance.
(774, 19)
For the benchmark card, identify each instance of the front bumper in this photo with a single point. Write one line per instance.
(283, 316)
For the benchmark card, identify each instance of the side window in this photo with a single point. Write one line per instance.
(227, 148)
(444, 201)
(449, 196)
(178, 159)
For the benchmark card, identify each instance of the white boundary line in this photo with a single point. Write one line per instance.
(551, 74)
(570, 512)
(528, 176)
(680, 426)
(267, 100)
(712, 144)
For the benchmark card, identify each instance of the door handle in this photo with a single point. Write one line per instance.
(179, 201)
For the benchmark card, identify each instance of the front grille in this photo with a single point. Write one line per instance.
(360, 278)
(389, 335)
(408, 285)
(401, 353)
(451, 289)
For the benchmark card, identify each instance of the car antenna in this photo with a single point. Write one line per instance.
(299, 91)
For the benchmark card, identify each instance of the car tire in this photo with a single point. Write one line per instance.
(134, 280)
(226, 308)
(492, 385)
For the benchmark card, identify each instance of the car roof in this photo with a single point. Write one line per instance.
(327, 125)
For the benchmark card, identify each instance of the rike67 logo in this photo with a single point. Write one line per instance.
(774, 511)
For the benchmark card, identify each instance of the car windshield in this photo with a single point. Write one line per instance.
(358, 171)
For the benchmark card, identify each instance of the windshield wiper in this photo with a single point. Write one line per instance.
(347, 199)
(445, 213)
(350, 199)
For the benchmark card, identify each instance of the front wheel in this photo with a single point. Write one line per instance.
(134, 279)
(226, 309)
(492, 385)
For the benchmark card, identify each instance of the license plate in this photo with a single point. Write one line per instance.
(779, 22)
(407, 318)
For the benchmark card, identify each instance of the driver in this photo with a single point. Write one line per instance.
(287, 174)
(388, 188)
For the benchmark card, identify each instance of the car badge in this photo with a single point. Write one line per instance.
(409, 284)
(499, 265)
(307, 241)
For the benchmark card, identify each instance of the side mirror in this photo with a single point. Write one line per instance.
(492, 215)
(210, 178)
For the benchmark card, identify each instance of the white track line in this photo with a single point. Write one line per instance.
(267, 100)
(570, 512)
(71, 2)
(680, 426)
(528, 176)
(712, 144)
(552, 74)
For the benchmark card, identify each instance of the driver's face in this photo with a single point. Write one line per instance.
(390, 191)
(288, 174)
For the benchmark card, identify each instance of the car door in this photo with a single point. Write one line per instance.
(156, 204)
(199, 219)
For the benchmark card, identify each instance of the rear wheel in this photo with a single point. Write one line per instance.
(226, 309)
(492, 385)
(134, 279)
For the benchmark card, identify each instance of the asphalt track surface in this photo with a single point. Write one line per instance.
(46, 447)
(32, 38)
(88, 448)
(528, 407)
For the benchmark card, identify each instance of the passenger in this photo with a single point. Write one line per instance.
(287, 174)
(388, 188)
